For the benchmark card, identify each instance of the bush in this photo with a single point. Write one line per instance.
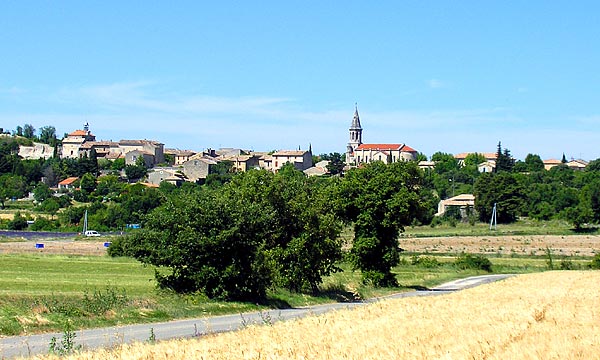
(42, 224)
(425, 261)
(567, 264)
(17, 223)
(595, 264)
(470, 261)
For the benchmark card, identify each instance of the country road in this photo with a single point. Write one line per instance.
(15, 346)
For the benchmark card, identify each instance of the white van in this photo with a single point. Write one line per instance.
(92, 233)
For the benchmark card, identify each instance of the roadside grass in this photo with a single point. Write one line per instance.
(40, 293)
(521, 227)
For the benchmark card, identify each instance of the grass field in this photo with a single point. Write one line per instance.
(40, 290)
(551, 315)
(521, 227)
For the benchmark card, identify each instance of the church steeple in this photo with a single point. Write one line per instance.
(355, 136)
(355, 119)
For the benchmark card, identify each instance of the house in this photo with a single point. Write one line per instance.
(358, 153)
(577, 164)
(550, 163)
(73, 142)
(197, 167)
(487, 166)
(180, 156)
(426, 165)
(319, 169)
(173, 175)
(463, 201)
(68, 183)
(103, 149)
(132, 157)
(301, 159)
(154, 149)
(462, 156)
(242, 162)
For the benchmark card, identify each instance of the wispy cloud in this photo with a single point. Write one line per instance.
(435, 84)
(144, 109)
(12, 90)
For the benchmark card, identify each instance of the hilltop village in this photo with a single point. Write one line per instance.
(177, 166)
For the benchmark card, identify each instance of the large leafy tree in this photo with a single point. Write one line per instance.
(336, 162)
(11, 186)
(501, 189)
(235, 241)
(48, 135)
(534, 162)
(380, 200)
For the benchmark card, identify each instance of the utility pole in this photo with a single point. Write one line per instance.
(494, 221)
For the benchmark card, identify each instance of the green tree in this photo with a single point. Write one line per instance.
(501, 189)
(50, 206)
(137, 171)
(336, 164)
(474, 159)
(11, 186)
(219, 174)
(235, 241)
(29, 131)
(593, 165)
(48, 135)
(19, 222)
(380, 200)
(504, 161)
(118, 164)
(534, 162)
(444, 162)
(88, 183)
(41, 192)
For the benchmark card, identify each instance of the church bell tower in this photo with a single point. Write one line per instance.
(355, 136)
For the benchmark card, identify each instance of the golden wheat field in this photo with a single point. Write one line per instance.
(552, 315)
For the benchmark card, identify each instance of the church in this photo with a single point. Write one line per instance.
(358, 153)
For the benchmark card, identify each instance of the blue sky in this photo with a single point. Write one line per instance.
(449, 76)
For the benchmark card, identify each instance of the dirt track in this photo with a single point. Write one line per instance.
(579, 245)
(65, 247)
(569, 245)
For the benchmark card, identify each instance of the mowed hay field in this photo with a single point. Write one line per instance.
(552, 315)
(525, 245)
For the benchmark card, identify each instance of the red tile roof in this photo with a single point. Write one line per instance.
(79, 133)
(379, 147)
(386, 147)
(68, 181)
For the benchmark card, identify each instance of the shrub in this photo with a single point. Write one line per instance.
(470, 261)
(425, 261)
(41, 224)
(567, 264)
(17, 223)
(595, 264)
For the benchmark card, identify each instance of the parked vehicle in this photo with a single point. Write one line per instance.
(91, 233)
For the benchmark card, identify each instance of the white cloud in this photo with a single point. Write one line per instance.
(143, 110)
(435, 84)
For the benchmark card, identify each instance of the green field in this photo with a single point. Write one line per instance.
(42, 292)
(521, 227)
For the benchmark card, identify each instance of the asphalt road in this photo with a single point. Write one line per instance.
(29, 235)
(14, 346)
